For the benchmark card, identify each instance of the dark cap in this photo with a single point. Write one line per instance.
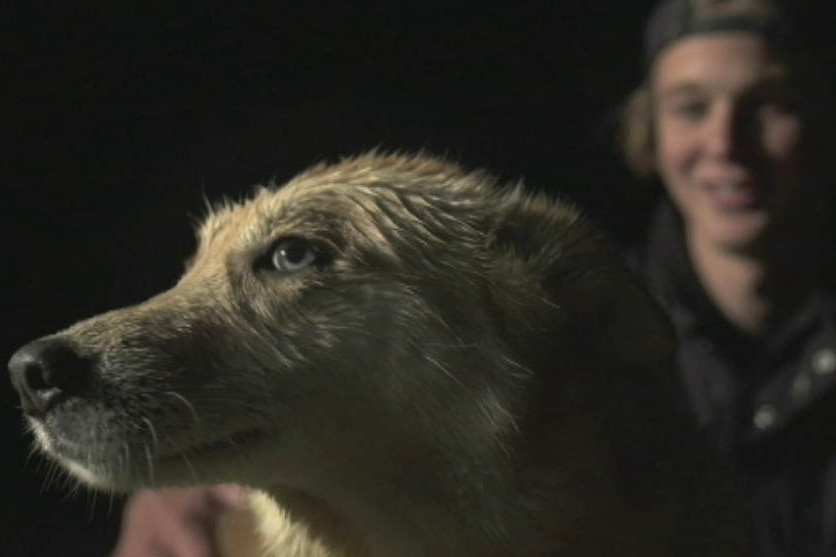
(672, 20)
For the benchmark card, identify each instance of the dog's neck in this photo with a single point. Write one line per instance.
(469, 497)
(485, 510)
(405, 523)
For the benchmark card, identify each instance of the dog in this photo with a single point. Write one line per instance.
(405, 358)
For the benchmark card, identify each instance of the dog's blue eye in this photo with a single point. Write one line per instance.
(292, 255)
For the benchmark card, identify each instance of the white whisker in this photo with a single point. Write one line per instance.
(125, 457)
(528, 371)
(153, 433)
(446, 371)
(186, 403)
(150, 462)
(189, 464)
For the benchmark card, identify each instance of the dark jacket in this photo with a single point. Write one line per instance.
(770, 405)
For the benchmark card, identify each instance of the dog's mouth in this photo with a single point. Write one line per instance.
(238, 443)
(116, 466)
(118, 451)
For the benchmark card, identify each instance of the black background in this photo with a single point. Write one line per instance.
(117, 120)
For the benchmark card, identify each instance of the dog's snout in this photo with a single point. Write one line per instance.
(46, 371)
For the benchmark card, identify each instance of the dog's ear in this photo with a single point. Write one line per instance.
(586, 284)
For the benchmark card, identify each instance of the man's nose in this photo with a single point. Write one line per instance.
(731, 131)
(721, 133)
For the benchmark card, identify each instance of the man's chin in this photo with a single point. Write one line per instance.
(742, 233)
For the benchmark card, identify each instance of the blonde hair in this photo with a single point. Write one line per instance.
(636, 140)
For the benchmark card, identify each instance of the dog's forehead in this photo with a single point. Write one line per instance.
(342, 188)
(371, 174)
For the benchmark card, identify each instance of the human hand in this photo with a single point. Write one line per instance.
(176, 522)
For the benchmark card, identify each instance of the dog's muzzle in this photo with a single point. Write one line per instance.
(46, 372)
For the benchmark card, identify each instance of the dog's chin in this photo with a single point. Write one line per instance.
(109, 467)
(83, 464)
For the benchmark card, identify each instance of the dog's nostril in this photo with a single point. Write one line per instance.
(44, 372)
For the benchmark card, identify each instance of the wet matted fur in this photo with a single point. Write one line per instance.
(409, 359)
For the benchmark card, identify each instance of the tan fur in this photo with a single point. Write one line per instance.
(464, 370)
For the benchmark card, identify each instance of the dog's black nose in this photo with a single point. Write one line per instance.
(46, 371)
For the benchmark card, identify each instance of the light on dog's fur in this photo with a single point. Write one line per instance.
(473, 373)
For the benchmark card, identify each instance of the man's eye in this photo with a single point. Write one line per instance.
(690, 110)
(777, 104)
(291, 255)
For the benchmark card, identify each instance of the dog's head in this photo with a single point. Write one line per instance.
(384, 307)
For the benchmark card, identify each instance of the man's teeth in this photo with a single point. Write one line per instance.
(728, 190)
